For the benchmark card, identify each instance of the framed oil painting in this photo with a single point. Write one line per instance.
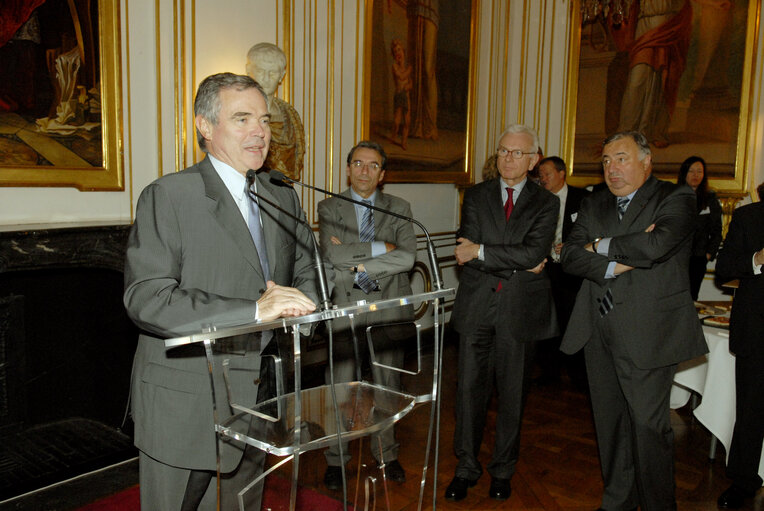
(418, 87)
(679, 71)
(60, 94)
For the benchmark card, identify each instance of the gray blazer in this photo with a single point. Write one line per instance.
(191, 261)
(661, 326)
(526, 307)
(337, 218)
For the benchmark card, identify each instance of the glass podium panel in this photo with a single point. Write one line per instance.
(364, 408)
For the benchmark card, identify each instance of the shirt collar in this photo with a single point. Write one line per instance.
(372, 198)
(232, 179)
(517, 188)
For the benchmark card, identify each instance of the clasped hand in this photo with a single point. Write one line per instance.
(281, 301)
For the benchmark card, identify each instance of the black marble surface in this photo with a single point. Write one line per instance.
(101, 246)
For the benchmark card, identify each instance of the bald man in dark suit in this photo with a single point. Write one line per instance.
(634, 318)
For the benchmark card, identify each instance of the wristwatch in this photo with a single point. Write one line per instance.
(595, 242)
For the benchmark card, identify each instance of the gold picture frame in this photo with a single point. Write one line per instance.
(713, 92)
(427, 136)
(67, 160)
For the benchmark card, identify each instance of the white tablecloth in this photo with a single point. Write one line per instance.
(713, 377)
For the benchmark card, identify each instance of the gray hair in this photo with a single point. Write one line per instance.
(642, 144)
(207, 101)
(268, 51)
(521, 128)
(368, 144)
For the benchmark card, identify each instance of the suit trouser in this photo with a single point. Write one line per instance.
(383, 446)
(169, 488)
(745, 451)
(490, 357)
(632, 422)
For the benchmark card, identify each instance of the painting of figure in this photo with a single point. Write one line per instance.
(675, 70)
(418, 87)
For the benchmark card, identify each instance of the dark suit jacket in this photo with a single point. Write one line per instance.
(337, 218)
(660, 326)
(745, 236)
(708, 228)
(572, 204)
(526, 307)
(191, 260)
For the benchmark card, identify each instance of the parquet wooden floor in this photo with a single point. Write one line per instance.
(558, 468)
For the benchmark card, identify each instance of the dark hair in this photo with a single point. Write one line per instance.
(702, 190)
(642, 144)
(207, 101)
(557, 162)
(368, 144)
(760, 191)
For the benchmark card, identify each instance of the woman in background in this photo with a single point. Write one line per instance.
(708, 223)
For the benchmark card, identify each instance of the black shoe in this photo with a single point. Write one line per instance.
(333, 478)
(394, 472)
(457, 488)
(734, 497)
(500, 489)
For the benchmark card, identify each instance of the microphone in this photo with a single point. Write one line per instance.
(277, 176)
(317, 259)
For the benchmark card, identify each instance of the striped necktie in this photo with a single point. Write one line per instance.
(366, 234)
(621, 204)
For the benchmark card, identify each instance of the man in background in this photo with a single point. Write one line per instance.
(741, 258)
(634, 318)
(552, 176)
(507, 228)
(372, 253)
(201, 252)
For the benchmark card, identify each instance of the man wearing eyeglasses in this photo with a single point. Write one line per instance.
(507, 227)
(372, 254)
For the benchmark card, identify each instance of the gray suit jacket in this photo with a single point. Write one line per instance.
(337, 218)
(191, 261)
(660, 326)
(526, 307)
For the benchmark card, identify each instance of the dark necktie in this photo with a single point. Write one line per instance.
(509, 205)
(366, 234)
(256, 231)
(606, 303)
(621, 204)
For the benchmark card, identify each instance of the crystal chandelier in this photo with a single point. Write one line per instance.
(591, 9)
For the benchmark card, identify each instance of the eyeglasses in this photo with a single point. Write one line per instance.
(358, 165)
(516, 153)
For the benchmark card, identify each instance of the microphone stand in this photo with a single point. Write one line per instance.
(317, 259)
(325, 303)
(278, 176)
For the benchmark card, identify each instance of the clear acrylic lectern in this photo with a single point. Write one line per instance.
(306, 419)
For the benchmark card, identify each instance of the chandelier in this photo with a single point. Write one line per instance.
(591, 9)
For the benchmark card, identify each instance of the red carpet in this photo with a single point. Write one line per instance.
(276, 497)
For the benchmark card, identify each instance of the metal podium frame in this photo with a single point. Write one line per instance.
(282, 416)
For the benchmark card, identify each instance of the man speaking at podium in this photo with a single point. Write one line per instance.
(200, 252)
(372, 254)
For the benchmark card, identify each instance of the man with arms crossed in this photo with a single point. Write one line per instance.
(634, 317)
(372, 254)
(507, 228)
(191, 260)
